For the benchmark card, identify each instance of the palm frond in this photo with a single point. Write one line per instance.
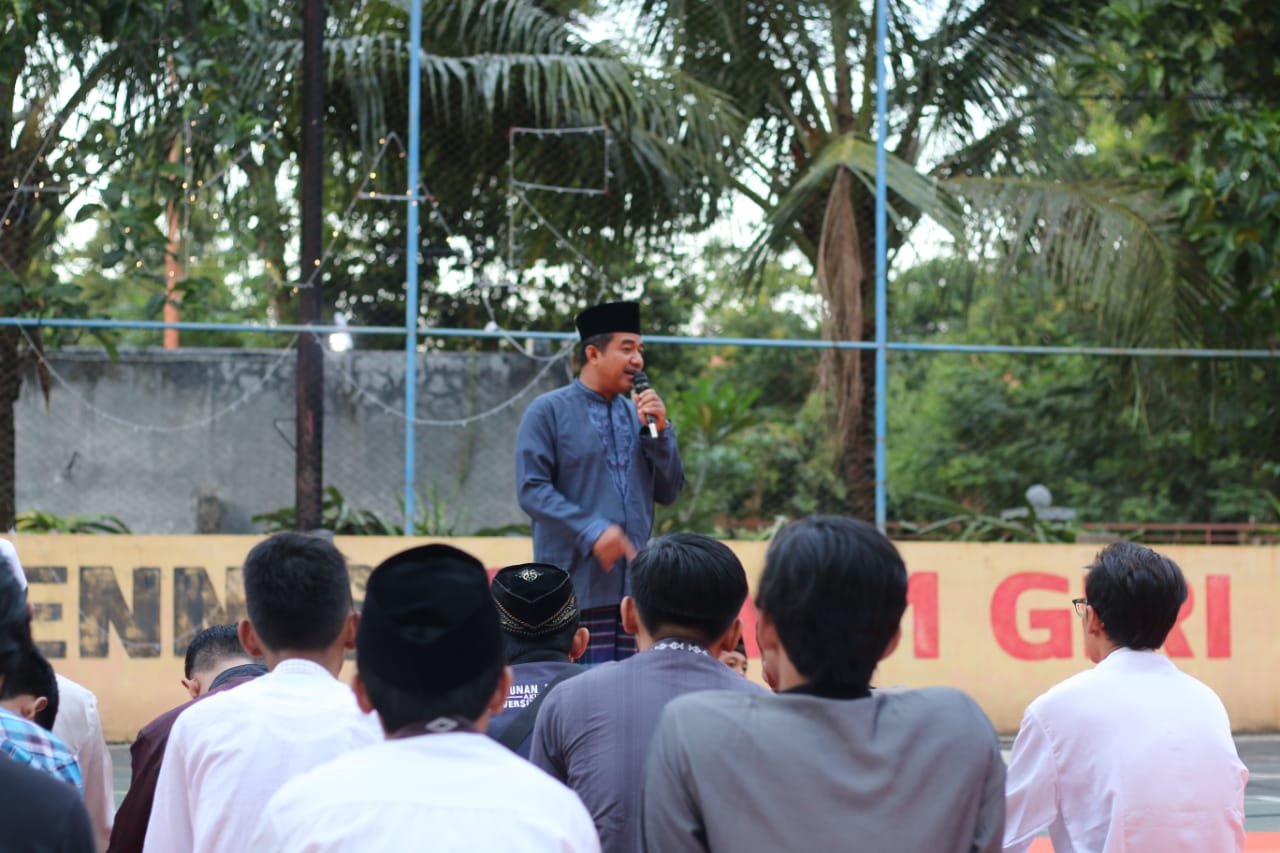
(911, 193)
(1113, 247)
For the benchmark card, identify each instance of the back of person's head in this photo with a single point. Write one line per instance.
(835, 589)
(689, 582)
(212, 649)
(33, 677)
(1136, 593)
(297, 592)
(15, 621)
(429, 645)
(537, 609)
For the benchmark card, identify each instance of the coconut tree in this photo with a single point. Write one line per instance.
(970, 84)
(83, 91)
(94, 96)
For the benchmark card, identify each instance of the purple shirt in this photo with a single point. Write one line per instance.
(582, 464)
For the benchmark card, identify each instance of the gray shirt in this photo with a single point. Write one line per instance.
(908, 771)
(582, 464)
(593, 730)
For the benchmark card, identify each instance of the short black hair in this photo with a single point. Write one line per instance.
(15, 623)
(398, 707)
(559, 640)
(1136, 593)
(689, 581)
(297, 591)
(835, 588)
(211, 647)
(600, 342)
(33, 676)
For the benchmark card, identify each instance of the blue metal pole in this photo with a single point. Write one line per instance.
(411, 263)
(882, 313)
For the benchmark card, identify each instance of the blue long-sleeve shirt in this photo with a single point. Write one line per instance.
(582, 464)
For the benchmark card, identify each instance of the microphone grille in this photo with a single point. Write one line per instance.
(640, 382)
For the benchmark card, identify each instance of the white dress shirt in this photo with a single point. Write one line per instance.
(1131, 756)
(229, 753)
(438, 792)
(80, 728)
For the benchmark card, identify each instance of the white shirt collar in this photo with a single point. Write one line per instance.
(1125, 658)
(298, 666)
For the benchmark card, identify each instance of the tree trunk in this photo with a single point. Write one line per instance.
(842, 282)
(10, 384)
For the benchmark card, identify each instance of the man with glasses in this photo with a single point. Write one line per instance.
(1133, 754)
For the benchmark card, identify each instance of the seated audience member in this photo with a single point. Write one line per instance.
(215, 661)
(431, 663)
(80, 728)
(736, 659)
(23, 740)
(538, 612)
(214, 658)
(593, 731)
(1132, 754)
(74, 711)
(36, 812)
(827, 763)
(227, 754)
(31, 690)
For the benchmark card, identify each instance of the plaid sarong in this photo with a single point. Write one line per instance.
(608, 640)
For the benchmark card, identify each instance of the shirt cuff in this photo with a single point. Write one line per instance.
(587, 538)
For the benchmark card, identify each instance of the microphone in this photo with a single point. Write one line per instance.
(640, 384)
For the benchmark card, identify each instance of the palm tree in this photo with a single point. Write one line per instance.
(488, 65)
(970, 84)
(135, 77)
(85, 90)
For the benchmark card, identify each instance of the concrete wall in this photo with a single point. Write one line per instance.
(201, 440)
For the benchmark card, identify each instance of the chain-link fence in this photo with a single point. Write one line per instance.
(201, 440)
(1080, 264)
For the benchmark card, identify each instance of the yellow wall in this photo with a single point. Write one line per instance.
(115, 613)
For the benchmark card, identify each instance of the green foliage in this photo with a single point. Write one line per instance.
(710, 416)
(965, 525)
(752, 433)
(337, 515)
(37, 521)
(1204, 91)
(342, 518)
(1122, 440)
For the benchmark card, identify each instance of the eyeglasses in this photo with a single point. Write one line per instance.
(1079, 604)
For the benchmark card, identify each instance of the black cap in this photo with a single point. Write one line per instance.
(428, 624)
(534, 599)
(608, 318)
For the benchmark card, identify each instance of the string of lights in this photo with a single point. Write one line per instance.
(253, 391)
(340, 362)
(192, 187)
(516, 196)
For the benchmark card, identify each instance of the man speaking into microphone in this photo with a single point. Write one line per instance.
(590, 462)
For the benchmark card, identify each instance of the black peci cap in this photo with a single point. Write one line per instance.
(534, 599)
(428, 624)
